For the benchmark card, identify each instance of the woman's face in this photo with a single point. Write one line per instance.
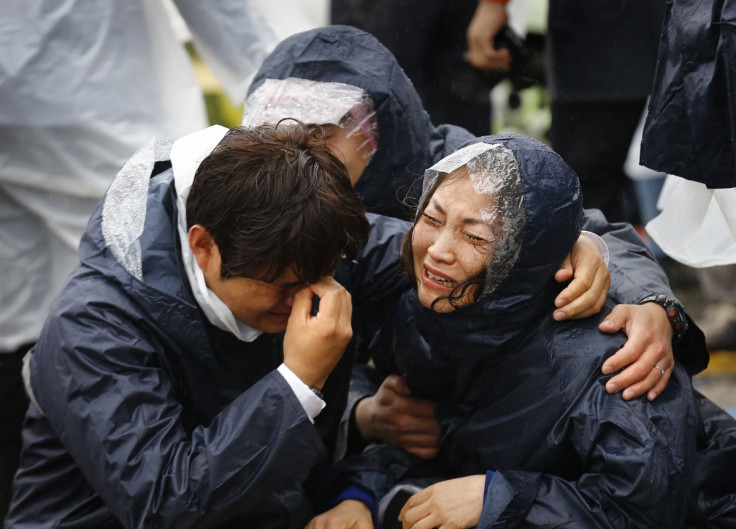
(451, 242)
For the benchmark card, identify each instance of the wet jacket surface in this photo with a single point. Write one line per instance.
(153, 417)
(523, 395)
(689, 131)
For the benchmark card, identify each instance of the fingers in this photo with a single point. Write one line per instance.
(334, 300)
(416, 410)
(487, 20)
(635, 345)
(615, 321)
(640, 376)
(658, 388)
(586, 293)
(314, 344)
(497, 59)
(394, 393)
(410, 424)
(422, 440)
(348, 514)
(653, 383)
(400, 420)
(424, 452)
(397, 384)
(649, 344)
(582, 298)
(302, 305)
(565, 271)
(415, 511)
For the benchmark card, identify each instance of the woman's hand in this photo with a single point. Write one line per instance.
(348, 514)
(396, 417)
(649, 345)
(586, 293)
(455, 503)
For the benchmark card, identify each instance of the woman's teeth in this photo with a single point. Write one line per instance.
(444, 281)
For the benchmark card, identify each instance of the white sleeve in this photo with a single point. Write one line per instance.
(600, 243)
(232, 37)
(311, 403)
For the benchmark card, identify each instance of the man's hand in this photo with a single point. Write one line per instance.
(586, 293)
(649, 345)
(348, 514)
(313, 345)
(393, 416)
(488, 19)
(451, 504)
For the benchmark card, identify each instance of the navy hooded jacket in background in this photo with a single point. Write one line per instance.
(690, 130)
(521, 394)
(409, 143)
(152, 416)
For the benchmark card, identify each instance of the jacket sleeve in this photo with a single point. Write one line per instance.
(232, 37)
(113, 405)
(364, 382)
(375, 280)
(377, 467)
(636, 463)
(635, 274)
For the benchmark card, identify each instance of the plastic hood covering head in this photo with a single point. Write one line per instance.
(323, 103)
(540, 228)
(493, 171)
(408, 143)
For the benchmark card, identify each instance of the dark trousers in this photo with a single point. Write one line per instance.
(594, 139)
(13, 404)
(427, 37)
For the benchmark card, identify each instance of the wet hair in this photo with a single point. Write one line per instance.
(275, 197)
(475, 282)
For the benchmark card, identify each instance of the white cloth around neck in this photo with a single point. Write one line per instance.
(187, 154)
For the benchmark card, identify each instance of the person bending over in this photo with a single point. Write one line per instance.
(182, 372)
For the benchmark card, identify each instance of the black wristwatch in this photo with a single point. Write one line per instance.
(317, 392)
(675, 314)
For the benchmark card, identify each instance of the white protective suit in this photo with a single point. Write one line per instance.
(83, 84)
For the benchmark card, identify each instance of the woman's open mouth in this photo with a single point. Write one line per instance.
(438, 281)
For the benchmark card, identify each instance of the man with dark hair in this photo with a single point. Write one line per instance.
(164, 393)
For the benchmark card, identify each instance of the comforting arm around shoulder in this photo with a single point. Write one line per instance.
(635, 276)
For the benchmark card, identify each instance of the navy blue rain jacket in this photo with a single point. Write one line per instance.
(521, 394)
(153, 417)
(690, 130)
(409, 143)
